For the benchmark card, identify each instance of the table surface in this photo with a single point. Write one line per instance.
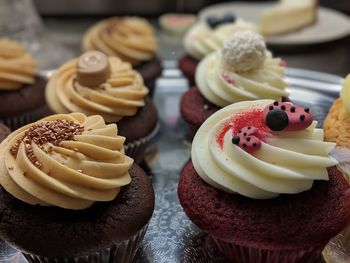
(332, 57)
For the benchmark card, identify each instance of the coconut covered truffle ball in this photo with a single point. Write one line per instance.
(244, 51)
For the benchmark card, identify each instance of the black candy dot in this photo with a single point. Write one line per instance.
(244, 145)
(235, 139)
(249, 128)
(283, 107)
(248, 139)
(271, 108)
(292, 109)
(228, 18)
(254, 144)
(275, 103)
(239, 131)
(245, 134)
(213, 21)
(277, 120)
(302, 117)
(307, 110)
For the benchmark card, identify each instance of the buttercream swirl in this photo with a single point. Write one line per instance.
(130, 38)
(201, 40)
(222, 86)
(17, 67)
(66, 160)
(286, 162)
(121, 95)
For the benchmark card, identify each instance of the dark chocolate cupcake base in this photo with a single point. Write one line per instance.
(25, 105)
(150, 71)
(139, 130)
(53, 234)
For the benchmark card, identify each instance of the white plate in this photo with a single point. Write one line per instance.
(330, 25)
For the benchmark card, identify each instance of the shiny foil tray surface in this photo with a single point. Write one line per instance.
(171, 237)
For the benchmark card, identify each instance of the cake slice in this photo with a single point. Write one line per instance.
(287, 16)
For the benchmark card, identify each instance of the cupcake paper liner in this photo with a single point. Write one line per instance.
(243, 254)
(138, 148)
(123, 252)
(16, 122)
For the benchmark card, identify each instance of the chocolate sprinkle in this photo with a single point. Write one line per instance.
(47, 132)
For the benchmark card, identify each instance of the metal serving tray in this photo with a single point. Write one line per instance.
(171, 237)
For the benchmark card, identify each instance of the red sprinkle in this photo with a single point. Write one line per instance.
(253, 118)
(227, 78)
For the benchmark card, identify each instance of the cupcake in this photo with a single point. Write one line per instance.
(21, 87)
(242, 70)
(132, 39)
(261, 183)
(70, 194)
(4, 131)
(206, 37)
(338, 119)
(96, 84)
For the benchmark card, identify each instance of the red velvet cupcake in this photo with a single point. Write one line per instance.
(242, 70)
(242, 188)
(206, 37)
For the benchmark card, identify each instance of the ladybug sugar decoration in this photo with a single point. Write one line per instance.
(284, 116)
(246, 139)
(214, 21)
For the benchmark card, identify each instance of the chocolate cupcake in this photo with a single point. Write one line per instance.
(208, 36)
(95, 84)
(262, 184)
(131, 39)
(4, 131)
(242, 70)
(69, 192)
(22, 89)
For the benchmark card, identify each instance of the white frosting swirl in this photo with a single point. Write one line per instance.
(223, 87)
(202, 40)
(267, 172)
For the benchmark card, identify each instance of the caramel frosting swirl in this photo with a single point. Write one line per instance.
(120, 95)
(66, 160)
(287, 162)
(17, 67)
(130, 38)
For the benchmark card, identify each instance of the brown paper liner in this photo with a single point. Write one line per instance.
(138, 148)
(238, 253)
(123, 252)
(16, 122)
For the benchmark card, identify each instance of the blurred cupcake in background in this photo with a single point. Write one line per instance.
(4, 131)
(337, 128)
(70, 194)
(206, 37)
(243, 69)
(21, 88)
(107, 86)
(132, 39)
